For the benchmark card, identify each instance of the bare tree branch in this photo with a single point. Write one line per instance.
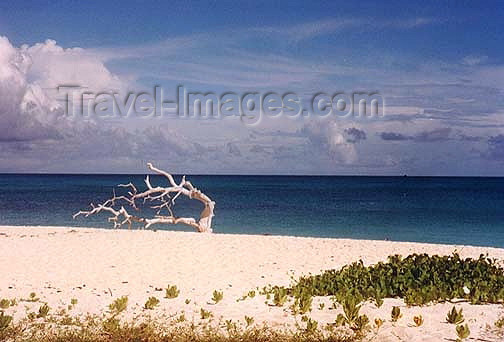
(161, 198)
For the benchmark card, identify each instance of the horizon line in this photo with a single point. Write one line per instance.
(243, 174)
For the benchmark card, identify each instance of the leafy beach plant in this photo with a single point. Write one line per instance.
(5, 320)
(33, 297)
(217, 296)
(351, 307)
(302, 303)
(172, 292)
(43, 311)
(279, 295)
(463, 332)
(5, 303)
(454, 316)
(119, 305)
(249, 320)
(378, 323)
(419, 279)
(395, 314)
(311, 326)
(204, 314)
(151, 303)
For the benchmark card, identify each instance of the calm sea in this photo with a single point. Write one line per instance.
(423, 209)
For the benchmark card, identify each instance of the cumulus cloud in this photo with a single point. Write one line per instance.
(425, 103)
(33, 125)
(20, 101)
(332, 137)
(52, 66)
(29, 76)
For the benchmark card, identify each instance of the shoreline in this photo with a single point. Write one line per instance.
(96, 266)
(440, 244)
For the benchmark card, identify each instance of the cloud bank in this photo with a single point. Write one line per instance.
(436, 111)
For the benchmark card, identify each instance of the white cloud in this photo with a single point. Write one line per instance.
(331, 137)
(29, 77)
(474, 60)
(19, 120)
(423, 97)
(316, 28)
(35, 132)
(53, 66)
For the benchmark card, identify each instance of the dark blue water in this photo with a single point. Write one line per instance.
(424, 209)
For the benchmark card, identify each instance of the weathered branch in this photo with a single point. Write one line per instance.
(160, 198)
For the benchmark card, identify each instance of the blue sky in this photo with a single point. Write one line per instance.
(439, 65)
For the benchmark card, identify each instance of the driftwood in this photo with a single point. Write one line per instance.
(159, 198)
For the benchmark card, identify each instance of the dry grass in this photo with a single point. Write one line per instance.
(94, 329)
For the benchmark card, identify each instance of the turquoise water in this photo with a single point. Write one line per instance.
(423, 209)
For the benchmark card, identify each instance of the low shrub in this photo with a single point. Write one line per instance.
(419, 279)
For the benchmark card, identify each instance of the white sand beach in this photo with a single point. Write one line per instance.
(96, 266)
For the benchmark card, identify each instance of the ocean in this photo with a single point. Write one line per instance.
(454, 210)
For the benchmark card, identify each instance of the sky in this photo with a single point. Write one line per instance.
(438, 65)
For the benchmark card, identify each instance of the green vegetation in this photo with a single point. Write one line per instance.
(151, 303)
(249, 320)
(302, 304)
(98, 329)
(419, 279)
(351, 317)
(43, 311)
(5, 320)
(463, 332)
(217, 296)
(119, 305)
(204, 314)
(73, 301)
(454, 316)
(230, 325)
(172, 292)
(378, 322)
(33, 298)
(5, 303)
(279, 295)
(395, 314)
(311, 326)
(250, 294)
(500, 323)
(497, 328)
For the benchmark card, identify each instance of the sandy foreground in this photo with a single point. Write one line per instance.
(96, 266)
